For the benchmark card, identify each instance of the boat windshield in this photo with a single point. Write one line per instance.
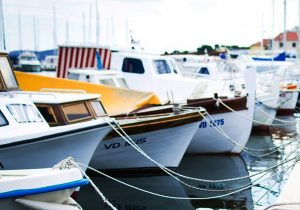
(24, 113)
(3, 120)
(7, 75)
(28, 58)
(122, 83)
(109, 82)
(162, 66)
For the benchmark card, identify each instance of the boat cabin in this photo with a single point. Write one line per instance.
(61, 109)
(57, 107)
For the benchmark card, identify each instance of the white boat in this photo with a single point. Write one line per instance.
(50, 63)
(160, 75)
(28, 61)
(164, 136)
(43, 189)
(27, 140)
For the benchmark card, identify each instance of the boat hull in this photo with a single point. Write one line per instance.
(263, 115)
(288, 102)
(166, 146)
(46, 151)
(208, 140)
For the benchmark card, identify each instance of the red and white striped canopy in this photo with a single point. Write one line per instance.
(80, 57)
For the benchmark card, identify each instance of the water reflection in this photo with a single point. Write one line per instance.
(206, 167)
(219, 167)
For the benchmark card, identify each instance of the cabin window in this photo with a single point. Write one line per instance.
(204, 70)
(73, 76)
(132, 65)
(3, 120)
(48, 114)
(98, 108)
(122, 83)
(294, 44)
(162, 67)
(109, 82)
(76, 112)
(24, 113)
(7, 74)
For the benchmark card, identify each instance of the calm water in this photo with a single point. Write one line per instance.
(266, 186)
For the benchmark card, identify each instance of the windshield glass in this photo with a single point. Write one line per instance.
(7, 73)
(162, 67)
(122, 83)
(24, 113)
(109, 82)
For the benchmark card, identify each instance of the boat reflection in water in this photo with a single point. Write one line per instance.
(202, 166)
(217, 167)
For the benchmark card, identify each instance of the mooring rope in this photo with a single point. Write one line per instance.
(176, 197)
(247, 118)
(285, 122)
(70, 163)
(244, 148)
(172, 173)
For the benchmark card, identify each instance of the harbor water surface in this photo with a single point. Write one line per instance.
(258, 186)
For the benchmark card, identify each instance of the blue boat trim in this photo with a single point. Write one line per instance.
(24, 192)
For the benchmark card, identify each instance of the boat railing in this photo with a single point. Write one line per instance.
(27, 93)
(61, 90)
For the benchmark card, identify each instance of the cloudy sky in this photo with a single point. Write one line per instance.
(160, 25)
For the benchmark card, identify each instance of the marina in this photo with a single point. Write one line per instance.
(96, 119)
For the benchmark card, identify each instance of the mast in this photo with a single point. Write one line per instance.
(298, 31)
(54, 27)
(2, 28)
(35, 35)
(284, 26)
(83, 27)
(20, 29)
(273, 17)
(67, 32)
(90, 24)
(97, 24)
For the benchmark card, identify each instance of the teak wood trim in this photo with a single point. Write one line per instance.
(157, 124)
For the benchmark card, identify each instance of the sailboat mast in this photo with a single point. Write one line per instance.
(83, 27)
(20, 30)
(90, 24)
(35, 37)
(298, 31)
(54, 27)
(2, 28)
(97, 24)
(67, 31)
(284, 25)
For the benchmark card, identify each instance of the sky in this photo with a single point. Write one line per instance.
(159, 25)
